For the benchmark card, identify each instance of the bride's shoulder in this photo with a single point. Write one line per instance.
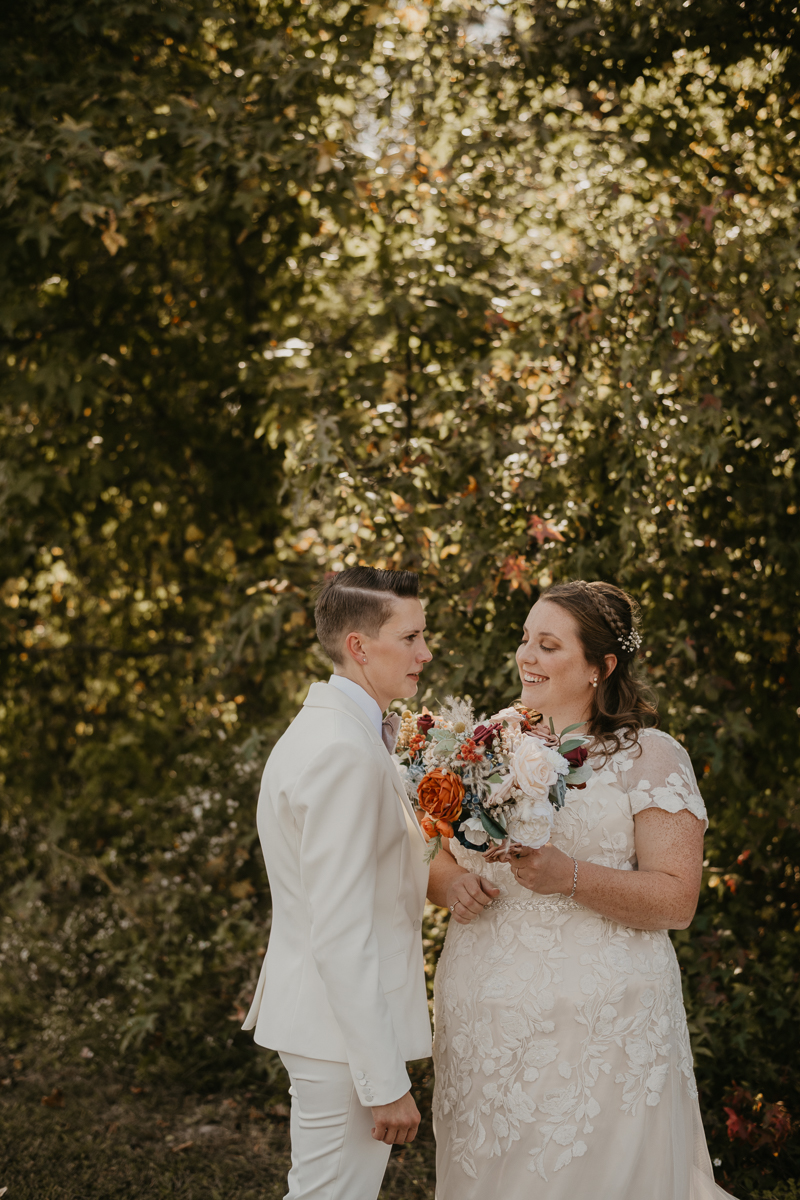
(656, 739)
(649, 745)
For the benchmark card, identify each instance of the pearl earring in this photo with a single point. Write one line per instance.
(594, 682)
(365, 660)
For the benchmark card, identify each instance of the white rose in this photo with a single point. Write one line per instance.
(510, 715)
(500, 792)
(474, 831)
(536, 767)
(531, 823)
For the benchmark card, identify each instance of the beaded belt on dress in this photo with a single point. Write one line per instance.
(536, 901)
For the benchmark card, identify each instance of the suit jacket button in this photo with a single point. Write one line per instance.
(417, 926)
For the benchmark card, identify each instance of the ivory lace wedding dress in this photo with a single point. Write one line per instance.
(562, 1056)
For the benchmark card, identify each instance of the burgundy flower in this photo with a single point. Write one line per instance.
(577, 757)
(425, 722)
(484, 735)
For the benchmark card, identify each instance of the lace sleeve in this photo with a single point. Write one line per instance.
(662, 777)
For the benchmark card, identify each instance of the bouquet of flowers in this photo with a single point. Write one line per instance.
(488, 781)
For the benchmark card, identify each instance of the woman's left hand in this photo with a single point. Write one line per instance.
(547, 870)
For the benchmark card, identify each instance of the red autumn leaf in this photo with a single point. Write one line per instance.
(738, 1127)
(777, 1124)
(708, 212)
(515, 569)
(543, 531)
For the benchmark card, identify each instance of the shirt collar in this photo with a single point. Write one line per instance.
(368, 705)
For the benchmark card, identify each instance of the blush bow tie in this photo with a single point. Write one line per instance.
(389, 731)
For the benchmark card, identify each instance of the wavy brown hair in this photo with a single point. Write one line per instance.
(606, 618)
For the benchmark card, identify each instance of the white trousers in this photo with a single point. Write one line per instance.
(334, 1155)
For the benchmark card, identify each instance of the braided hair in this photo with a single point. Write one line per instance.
(607, 620)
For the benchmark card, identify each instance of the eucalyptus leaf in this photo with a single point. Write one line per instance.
(558, 792)
(580, 774)
(492, 827)
(571, 744)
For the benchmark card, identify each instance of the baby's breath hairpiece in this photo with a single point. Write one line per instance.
(631, 642)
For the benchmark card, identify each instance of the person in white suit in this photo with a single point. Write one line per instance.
(342, 995)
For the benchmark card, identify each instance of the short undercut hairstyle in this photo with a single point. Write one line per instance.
(359, 600)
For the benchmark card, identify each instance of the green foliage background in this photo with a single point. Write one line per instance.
(504, 295)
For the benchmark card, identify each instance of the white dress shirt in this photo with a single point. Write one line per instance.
(368, 704)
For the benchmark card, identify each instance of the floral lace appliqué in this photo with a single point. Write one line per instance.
(547, 1014)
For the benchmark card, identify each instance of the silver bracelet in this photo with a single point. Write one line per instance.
(574, 878)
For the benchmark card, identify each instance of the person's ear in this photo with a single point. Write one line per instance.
(610, 662)
(354, 649)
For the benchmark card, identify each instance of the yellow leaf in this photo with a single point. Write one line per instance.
(242, 889)
(374, 14)
(393, 384)
(413, 18)
(113, 240)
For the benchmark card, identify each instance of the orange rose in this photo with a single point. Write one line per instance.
(440, 795)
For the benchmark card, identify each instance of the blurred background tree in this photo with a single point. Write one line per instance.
(504, 294)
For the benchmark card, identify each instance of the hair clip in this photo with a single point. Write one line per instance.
(631, 641)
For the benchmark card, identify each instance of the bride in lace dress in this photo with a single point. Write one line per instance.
(562, 1056)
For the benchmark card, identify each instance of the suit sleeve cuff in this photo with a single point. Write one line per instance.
(372, 1093)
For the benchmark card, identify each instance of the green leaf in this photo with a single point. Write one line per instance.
(580, 774)
(571, 744)
(570, 728)
(492, 827)
(432, 849)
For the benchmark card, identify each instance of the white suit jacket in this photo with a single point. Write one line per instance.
(343, 978)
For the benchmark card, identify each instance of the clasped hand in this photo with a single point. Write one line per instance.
(547, 870)
(468, 895)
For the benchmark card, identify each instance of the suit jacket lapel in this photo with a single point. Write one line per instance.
(322, 695)
(404, 800)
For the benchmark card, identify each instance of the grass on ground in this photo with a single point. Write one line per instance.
(98, 1137)
(86, 1133)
